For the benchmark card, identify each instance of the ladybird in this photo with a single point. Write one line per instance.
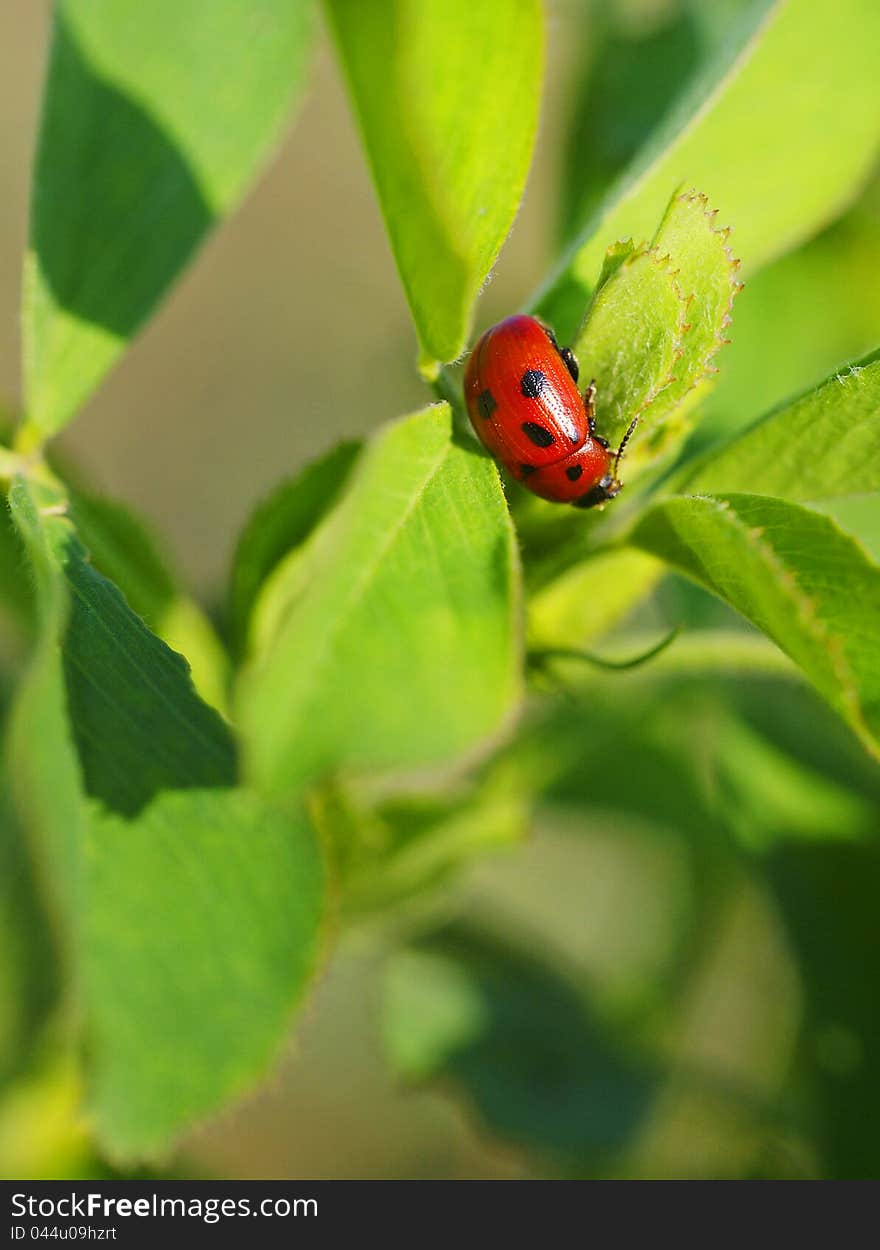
(521, 392)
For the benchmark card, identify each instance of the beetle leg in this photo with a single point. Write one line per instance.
(590, 405)
(570, 361)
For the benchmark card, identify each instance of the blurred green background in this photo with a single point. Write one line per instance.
(678, 912)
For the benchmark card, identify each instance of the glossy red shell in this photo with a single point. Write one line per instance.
(526, 410)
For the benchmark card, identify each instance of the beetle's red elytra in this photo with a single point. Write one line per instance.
(521, 393)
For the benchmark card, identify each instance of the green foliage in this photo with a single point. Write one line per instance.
(787, 339)
(136, 720)
(520, 1041)
(175, 820)
(397, 589)
(824, 445)
(795, 575)
(656, 323)
(202, 930)
(779, 170)
(29, 974)
(280, 525)
(140, 153)
(446, 95)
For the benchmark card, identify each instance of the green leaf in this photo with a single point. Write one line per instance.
(395, 850)
(780, 132)
(137, 723)
(16, 603)
(520, 1041)
(202, 930)
(796, 576)
(787, 339)
(632, 338)
(706, 274)
(446, 95)
(124, 549)
(400, 644)
(568, 611)
(823, 445)
(155, 119)
(29, 975)
(206, 897)
(631, 74)
(281, 523)
(658, 319)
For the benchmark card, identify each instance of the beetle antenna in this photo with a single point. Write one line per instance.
(623, 442)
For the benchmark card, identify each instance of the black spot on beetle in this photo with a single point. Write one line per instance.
(532, 383)
(574, 472)
(486, 404)
(539, 435)
(527, 469)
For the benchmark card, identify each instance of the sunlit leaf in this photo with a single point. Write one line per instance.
(821, 446)
(780, 133)
(796, 576)
(155, 119)
(446, 95)
(201, 932)
(399, 644)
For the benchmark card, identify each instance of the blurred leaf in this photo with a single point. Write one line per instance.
(29, 976)
(135, 718)
(633, 73)
(155, 119)
(446, 94)
(280, 523)
(400, 646)
(828, 899)
(519, 1040)
(786, 339)
(780, 132)
(568, 611)
(202, 930)
(796, 576)
(792, 717)
(766, 795)
(15, 596)
(825, 444)
(394, 850)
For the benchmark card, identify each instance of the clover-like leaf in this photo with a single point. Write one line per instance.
(632, 337)
(201, 930)
(823, 445)
(446, 94)
(658, 318)
(155, 118)
(796, 576)
(395, 640)
(173, 890)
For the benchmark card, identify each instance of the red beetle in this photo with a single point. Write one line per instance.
(521, 393)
